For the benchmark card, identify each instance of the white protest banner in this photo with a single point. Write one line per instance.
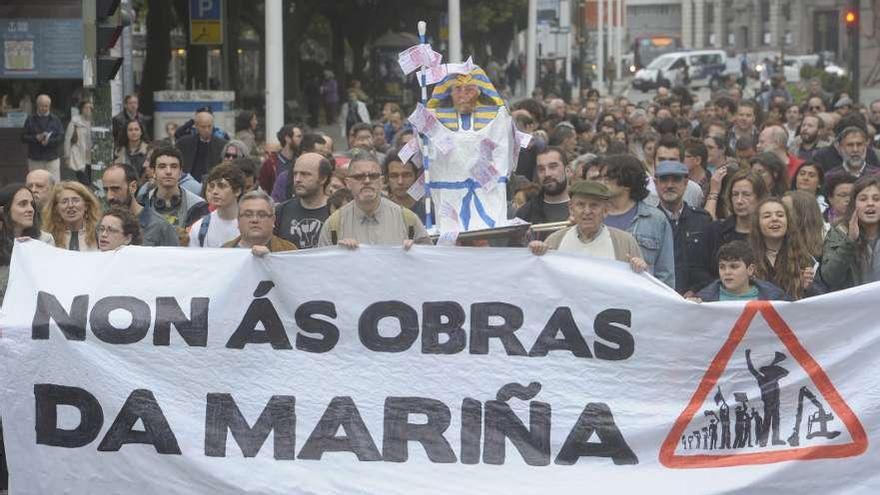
(431, 371)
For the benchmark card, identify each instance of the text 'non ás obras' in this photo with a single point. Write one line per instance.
(441, 326)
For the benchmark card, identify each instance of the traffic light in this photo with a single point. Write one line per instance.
(851, 19)
(103, 22)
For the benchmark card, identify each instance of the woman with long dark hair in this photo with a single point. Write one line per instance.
(780, 257)
(775, 173)
(743, 192)
(19, 218)
(134, 152)
(850, 254)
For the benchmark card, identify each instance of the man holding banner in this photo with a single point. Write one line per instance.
(371, 218)
(589, 235)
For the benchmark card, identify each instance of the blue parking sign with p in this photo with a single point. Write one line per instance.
(205, 10)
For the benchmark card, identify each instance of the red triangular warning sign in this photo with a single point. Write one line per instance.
(858, 445)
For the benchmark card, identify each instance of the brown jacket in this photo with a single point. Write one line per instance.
(625, 245)
(276, 244)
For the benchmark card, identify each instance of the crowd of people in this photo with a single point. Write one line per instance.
(736, 197)
(680, 178)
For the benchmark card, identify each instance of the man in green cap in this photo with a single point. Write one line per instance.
(589, 235)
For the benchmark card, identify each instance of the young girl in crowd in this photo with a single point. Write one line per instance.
(780, 257)
(850, 255)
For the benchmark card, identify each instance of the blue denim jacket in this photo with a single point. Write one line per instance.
(654, 235)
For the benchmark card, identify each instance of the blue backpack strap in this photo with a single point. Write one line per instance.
(203, 229)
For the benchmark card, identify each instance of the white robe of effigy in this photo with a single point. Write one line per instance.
(463, 200)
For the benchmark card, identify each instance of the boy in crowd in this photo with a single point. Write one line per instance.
(736, 271)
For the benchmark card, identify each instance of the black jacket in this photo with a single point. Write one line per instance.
(689, 240)
(36, 124)
(718, 233)
(187, 146)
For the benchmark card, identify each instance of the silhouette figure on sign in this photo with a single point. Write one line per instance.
(759, 438)
(696, 438)
(741, 415)
(705, 437)
(684, 443)
(724, 414)
(713, 434)
(768, 380)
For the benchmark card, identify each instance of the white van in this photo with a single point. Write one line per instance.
(692, 69)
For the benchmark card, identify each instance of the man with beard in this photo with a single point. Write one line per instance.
(852, 145)
(299, 219)
(806, 143)
(120, 186)
(552, 173)
(371, 218)
(688, 226)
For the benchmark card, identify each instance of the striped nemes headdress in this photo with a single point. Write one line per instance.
(442, 94)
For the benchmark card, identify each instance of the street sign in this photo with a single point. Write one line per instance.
(206, 22)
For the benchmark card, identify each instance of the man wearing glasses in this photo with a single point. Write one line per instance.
(256, 219)
(371, 218)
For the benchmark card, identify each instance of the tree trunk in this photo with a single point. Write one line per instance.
(338, 53)
(158, 55)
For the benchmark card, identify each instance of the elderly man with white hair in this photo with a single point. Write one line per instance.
(44, 134)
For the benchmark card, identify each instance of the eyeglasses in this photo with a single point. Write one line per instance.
(262, 215)
(230, 155)
(110, 230)
(71, 201)
(360, 177)
(815, 108)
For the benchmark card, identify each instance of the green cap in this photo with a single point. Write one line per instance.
(589, 188)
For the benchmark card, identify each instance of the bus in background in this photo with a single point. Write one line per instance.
(647, 48)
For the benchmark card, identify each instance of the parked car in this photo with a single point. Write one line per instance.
(692, 69)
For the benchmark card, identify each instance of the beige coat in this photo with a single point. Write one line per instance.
(78, 154)
(625, 245)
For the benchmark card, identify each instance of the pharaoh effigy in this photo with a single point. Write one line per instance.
(468, 143)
